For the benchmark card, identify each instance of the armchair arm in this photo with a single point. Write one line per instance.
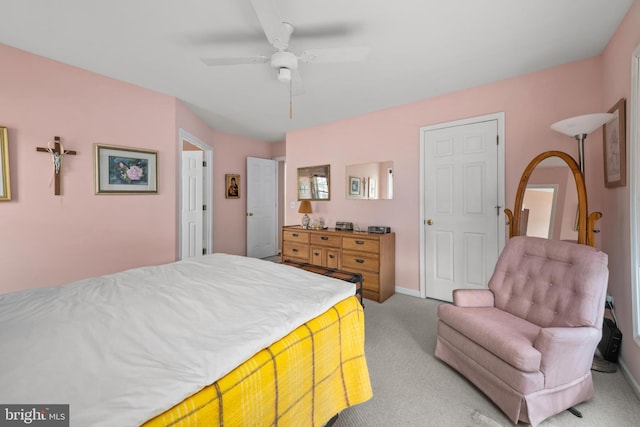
(567, 353)
(473, 298)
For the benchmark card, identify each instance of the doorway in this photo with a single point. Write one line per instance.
(195, 209)
(462, 226)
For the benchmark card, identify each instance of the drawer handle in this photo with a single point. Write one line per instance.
(359, 261)
(295, 234)
(295, 250)
(324, 238)
(332, 256)
(359, 242)
(316, 253)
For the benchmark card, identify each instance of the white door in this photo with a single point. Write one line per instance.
(262, 207)
(192, 212)
(462, 207)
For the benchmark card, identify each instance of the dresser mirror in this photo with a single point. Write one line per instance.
(369, 181)
(551, 201)
(314, 183)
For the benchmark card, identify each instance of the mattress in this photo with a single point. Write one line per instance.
(122, 348)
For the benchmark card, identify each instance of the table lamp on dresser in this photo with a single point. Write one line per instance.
(305, 208)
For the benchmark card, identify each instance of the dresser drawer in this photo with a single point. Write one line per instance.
(356, 261)
(295, 236)
(370, 281)
(326, 240)
(360, 244)
(295, 250)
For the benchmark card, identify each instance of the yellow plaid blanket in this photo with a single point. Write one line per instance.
(303, 379)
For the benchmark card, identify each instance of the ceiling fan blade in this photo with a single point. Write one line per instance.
(337, 54)
(235, 61)
(277, 31)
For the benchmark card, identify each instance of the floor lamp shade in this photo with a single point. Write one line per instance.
(579, 127)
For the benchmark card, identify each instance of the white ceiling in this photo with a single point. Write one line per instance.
(419, 49)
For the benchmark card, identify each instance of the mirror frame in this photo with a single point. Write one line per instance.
(307, 172)
(586, 222)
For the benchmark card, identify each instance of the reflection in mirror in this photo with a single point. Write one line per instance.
(552, 199)
(314, 183)
(540, 202)
(369, 181)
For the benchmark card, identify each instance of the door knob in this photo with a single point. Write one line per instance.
(429, 222)
(249, 213)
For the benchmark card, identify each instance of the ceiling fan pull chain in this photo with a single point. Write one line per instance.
(290, 99)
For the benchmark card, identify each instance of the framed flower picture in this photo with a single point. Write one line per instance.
(615, 147)
(122, 170)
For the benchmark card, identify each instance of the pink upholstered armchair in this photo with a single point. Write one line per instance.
(528, 341)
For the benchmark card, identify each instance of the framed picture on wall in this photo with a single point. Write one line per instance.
(123, 170)
(232, 186)
(5, 187)
(354, 185)
(615, 147)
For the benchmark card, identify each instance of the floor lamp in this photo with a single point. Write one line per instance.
(579, 127)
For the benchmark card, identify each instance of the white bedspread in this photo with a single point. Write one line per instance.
(123, 348)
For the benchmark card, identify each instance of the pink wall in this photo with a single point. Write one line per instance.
(615, 223)
(49, 240)
(531, 104)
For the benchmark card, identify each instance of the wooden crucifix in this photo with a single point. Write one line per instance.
(57, 154)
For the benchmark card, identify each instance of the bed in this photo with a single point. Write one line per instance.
(217, 340)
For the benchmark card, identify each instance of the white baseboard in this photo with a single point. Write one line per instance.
(632, 381)
(410, 292)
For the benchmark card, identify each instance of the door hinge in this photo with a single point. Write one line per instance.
(498, 210)
(204, 207)
(497, 140)
(204, 163)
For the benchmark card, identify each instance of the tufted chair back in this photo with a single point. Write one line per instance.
(551, 283)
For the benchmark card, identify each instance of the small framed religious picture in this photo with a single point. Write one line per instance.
(615, 147)
(232, 186)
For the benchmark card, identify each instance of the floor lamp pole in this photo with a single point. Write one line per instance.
(581, 137)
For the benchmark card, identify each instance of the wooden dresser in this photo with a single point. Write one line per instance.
(371, 255)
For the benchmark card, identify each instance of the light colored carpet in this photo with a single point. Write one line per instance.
(412, 388)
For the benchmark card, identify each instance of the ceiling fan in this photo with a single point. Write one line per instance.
(284, 62)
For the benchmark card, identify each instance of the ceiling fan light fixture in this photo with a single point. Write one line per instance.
(284, 75)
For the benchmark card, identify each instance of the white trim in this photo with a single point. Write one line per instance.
(634, 192)
(410, 292)
(207, 198)
(500, 118)
(630, 379)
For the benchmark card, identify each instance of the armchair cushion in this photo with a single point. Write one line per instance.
(505, 335)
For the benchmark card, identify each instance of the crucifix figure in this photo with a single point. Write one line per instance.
(57, 154)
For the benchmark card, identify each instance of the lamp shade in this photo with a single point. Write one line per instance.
(305, 207)
(581, 125)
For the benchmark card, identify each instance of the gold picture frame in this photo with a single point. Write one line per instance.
(124, 170)
(232, 186)
(5, 181)
(614, 146)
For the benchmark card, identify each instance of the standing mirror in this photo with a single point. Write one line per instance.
(551, 201)
(313, 183)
